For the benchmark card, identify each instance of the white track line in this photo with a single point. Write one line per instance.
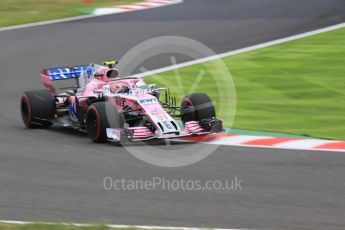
(109, 12)
(47, 22)
(122, 226)
(239, 51)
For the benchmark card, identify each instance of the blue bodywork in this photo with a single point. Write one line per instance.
(66, 73)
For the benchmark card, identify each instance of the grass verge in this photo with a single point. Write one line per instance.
(296, 87)
(15, 12)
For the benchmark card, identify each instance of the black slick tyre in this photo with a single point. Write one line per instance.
(37, 108)
(196, 107)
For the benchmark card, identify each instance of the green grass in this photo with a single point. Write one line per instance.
(51, 226)
(14, 12)
(296, 87)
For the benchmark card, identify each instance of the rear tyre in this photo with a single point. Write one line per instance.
(37, 108)
(196, 107)
(97, 120)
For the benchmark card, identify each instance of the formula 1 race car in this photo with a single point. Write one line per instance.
(110, 108)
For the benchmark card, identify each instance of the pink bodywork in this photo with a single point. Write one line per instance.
(154, 112)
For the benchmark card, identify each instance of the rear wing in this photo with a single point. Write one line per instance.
(64, 73)
(48, 76)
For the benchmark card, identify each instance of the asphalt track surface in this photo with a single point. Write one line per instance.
(57, 175)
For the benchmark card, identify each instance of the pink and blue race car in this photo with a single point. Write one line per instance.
(110, 108)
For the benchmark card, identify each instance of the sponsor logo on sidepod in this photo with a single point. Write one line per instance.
(148, 100)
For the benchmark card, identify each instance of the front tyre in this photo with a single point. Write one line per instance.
(37, 108)
(97, 120)
(196, 107)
